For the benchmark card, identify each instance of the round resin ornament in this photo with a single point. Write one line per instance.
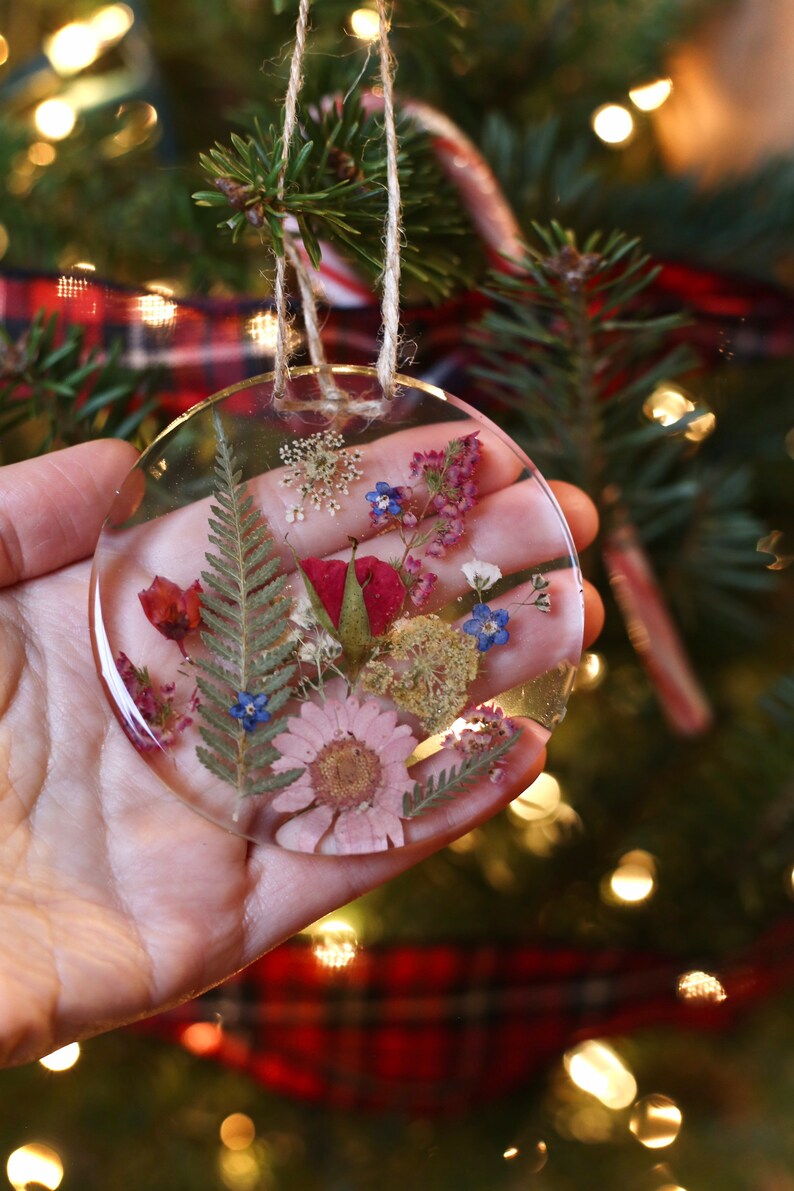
(322, 617)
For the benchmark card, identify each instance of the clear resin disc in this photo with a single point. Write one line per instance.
(322, 618)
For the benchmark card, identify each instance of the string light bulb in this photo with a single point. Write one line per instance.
(651, 96)
(63, 1059)
(633, 880)
(335, 944)
(34, 1165)
(701, 986)
(656, 1121)
(237, 1131)
(591, 673)
(55, 119)
(668, 404)
(613, 124)
(599, 1070)
(539, 801)
(365, 24)
(72, 48)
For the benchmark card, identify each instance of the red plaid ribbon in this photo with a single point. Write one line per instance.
(438, 1028)
(210, 344)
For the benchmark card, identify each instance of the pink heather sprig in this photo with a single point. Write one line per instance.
(450, 492)
(486, 726)
(157, 708)
(419, 583)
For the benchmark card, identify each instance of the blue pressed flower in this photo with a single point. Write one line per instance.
(488, 626)
(385, 500)
(250, 710)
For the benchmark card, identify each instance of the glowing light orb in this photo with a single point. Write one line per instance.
(34, 1165)
(613, 124)
(55, 119)
(73, 47)
(364, 24)
(237, 1131)
(335, 944)
(598, 1069)
(539, 801)
(63, 1059)
(701, 986)
(651, 96)
(656, 1121)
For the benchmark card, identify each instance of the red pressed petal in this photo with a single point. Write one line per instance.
(328, 580)
(384, 592)
(192, 603)
(160, 601)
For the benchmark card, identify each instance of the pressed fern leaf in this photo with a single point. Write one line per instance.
(246, 633)
(443, 787)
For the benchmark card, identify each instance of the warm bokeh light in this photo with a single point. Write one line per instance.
(156, 308)
(598, 1069)
(634, 878)
(612, 124)
(364, 24)
(202, 1037)
(4, 240)
(651, 96)
(655, 1121)
(237, 1131)
(4, 50)
(55, 119)
(701, 986)
(467, 843)
(335, 943)
(668, 404)
(777, 544)
(591, 673)
(538, 801)
(262, 328)
(239, 1169)
(510, 1152)
(34, 1165)
(73, 47)
(41, 153)
(63, 1059)
(110, 24)
(75, 283)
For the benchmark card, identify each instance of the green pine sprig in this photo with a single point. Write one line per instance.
(59, 394)
(442, 787)
(335, 189)
(247, 634)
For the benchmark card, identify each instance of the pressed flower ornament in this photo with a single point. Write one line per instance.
(333, 601)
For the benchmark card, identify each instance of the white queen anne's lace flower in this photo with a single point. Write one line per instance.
(319, 469)
(481, 575)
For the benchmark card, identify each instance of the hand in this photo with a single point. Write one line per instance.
(117, 900)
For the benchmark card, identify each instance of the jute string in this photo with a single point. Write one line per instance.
(390, 277)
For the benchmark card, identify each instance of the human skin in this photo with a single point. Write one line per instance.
(117, 900)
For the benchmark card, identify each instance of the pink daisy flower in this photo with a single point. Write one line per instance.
(354, 776)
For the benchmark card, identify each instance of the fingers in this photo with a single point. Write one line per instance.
(327, 882)
(52, 509)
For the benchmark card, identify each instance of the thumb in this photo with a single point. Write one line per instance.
(52, 508)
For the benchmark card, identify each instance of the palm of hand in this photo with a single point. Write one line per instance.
(117, 899)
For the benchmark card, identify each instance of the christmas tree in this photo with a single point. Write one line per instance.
(592, 989)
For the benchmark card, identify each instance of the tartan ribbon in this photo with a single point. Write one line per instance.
(439, 1028)
(209, 344)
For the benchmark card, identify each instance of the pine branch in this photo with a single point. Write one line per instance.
(442, 787)
(335, 188)
(72, 394)
(246, 616)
